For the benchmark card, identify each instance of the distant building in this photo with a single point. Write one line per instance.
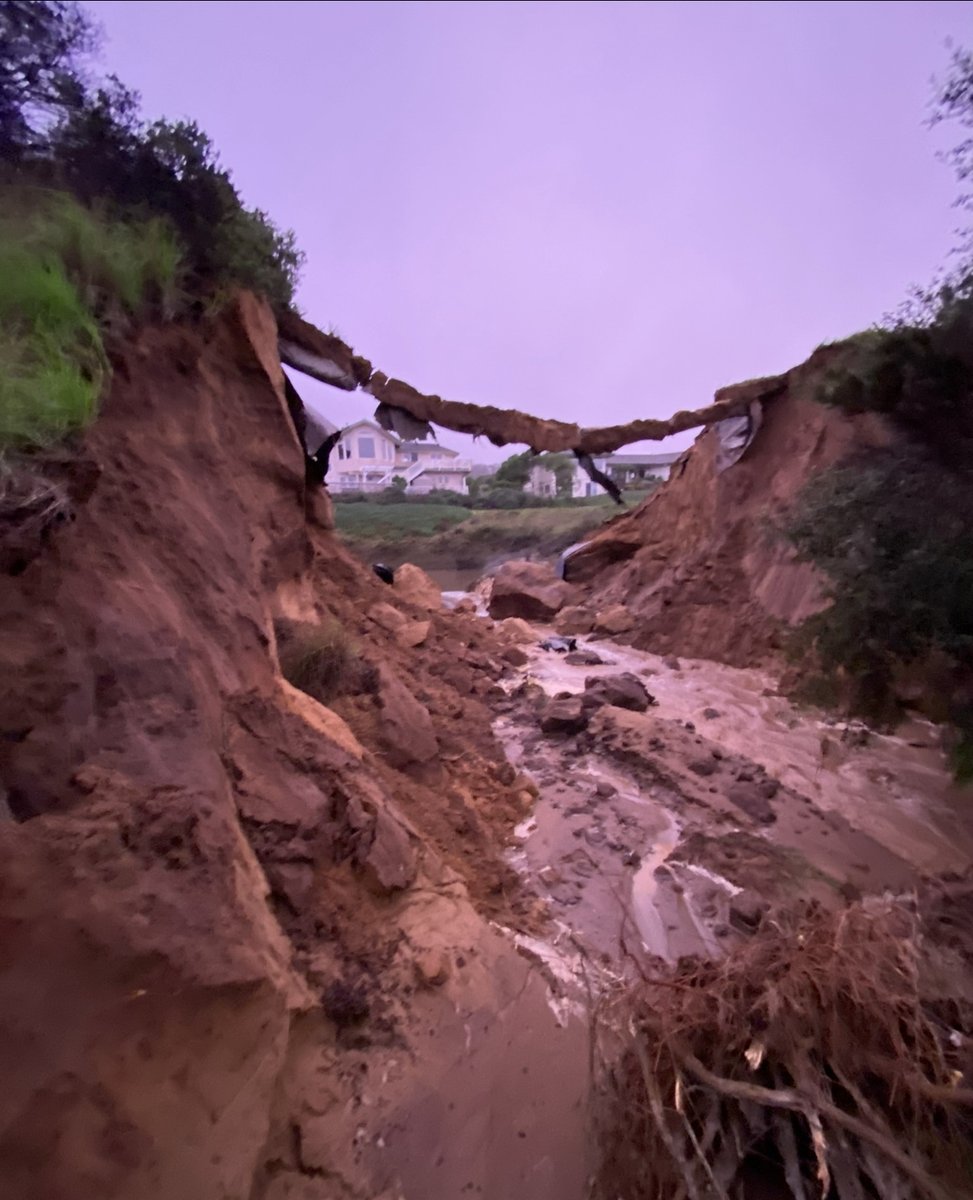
(541, 481)
(627, 470)
(367, 458)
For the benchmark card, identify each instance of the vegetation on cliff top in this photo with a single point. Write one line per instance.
(103, 217)
(892, 530)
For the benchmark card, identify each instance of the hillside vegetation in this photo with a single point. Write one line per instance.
(105, 218)
(891, 529)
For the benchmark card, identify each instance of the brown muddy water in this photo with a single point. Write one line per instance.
(643, 858)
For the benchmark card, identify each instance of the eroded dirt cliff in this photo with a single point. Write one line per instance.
(248, 940)
(701, 564)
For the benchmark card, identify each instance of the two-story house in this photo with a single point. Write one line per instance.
(367, 458)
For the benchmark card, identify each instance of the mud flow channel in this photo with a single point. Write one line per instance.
(667, 832)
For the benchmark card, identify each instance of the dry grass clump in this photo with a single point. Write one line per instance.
(322, 660)
(807, 1064)
(31, 508)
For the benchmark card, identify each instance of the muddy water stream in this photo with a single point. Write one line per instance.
(632, 839)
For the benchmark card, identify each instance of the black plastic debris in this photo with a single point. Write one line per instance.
(560, 645)
(386, 574)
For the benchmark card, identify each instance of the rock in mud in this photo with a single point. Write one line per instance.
(432, 968)
(389, 618)
(574, 620)
(415, 585)
(564, 715)
(751, 798)
(412, 633)
(618, 691)
(747, 909)
(465, 607)
(672, 662)
(704, 766)
(407, 729)
(616, 619)
(517, 630)
(389, 863)
(515, 657)
(583, 658)
(529, 590)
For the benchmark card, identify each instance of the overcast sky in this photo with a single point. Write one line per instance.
(589, 211)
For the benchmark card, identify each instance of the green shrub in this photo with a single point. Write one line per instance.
(321, 660)
(919, 379)
(61, 128)
(891, 533)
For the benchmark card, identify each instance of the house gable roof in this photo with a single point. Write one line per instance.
(364, 423)
(643, 460)
(418, 447)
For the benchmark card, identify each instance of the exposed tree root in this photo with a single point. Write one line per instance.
(812, 1062)
(326, 357)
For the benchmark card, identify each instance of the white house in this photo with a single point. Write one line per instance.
(367, 458)
(627, 470)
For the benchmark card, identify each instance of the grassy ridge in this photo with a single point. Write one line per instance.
(373, 522)
(64, 270)
(413, 533)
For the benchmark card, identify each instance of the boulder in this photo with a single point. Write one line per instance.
(616, 619)
(515, 657)
(413, 633)
(565, 714)
(466, 606)
(619, 691)
(583, 658)
(413, 584)
(529, 590)
(407, 729)
(574, 619)
(389, 863)
(389, 618)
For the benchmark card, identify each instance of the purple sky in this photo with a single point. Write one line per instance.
(594, 212)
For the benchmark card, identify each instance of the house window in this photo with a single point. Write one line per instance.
(366, 447)
(343, 451)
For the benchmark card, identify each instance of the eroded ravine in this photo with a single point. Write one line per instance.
(636, 838)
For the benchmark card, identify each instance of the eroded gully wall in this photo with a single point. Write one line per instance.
(198, 853)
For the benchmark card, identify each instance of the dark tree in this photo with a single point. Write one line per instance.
(42, 46)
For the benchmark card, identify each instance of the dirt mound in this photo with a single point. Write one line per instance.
(217, 893)
(699, 565)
